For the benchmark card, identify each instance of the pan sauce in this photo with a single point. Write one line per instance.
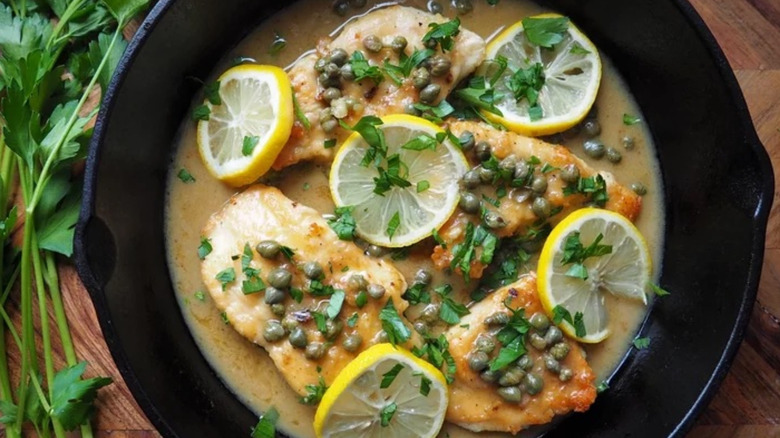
(246, 368)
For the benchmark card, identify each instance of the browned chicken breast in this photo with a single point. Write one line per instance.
(515, 211)
(358, 98)
(541, 394)
(275, 299)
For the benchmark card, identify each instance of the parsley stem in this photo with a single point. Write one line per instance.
(43, 312)
(43, 178)
(72, 8)
(6, 393)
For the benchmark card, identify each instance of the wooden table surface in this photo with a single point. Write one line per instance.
(748, 402)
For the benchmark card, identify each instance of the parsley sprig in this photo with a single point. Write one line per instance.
(575, 253)
(512, 338)
(443, 34)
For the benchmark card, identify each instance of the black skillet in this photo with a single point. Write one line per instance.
(718, 190)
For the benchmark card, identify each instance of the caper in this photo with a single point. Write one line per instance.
(490, 376)
(328, 81)
(628, 142)
(525, 362)
(375, 291)
(482, 150)
(478, 360)
(594, 148)
(570, 173)
(320, 64)
(421, 78)
(592, 128)
(466, 140)
(430, 313)
(532, 383)
(511, 377)
(314, 351)
(330, 94)
(372, 43)
(614, 155)
(463, 6)
(410, 109)
(338, 57)
(539, 321)
(485, 343)
(522, 169)
(539, 184)
(312, 270)
(565, 374)
(434, 7)
(289, 323)
(329, 124)
(278, 309)
(279, 278)
(333, 328)
(268, 248)
(537, 341)
(398, 44)
(493, 220)
(486, 175)
(273, 331)
(553, 335)
(508, 163)
(357, 3)
(541, 207)
(421, 327)
(440, 65)
(273, 295)
(498, 318)
(375, 250)
(332, 70)
(423, 276)
(560, 350)
(298, 338)
(520, 195)
(471, 179)
(469, 202)
(347, 73)
(639, 188)
(341, 8)
(352, 342)
(511, 393)
(326, 113)
(430, 93)
(552, 364)
(357, 282)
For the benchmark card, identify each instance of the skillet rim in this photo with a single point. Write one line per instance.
(706, 393)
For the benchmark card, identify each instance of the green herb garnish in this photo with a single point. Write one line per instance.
(397, 331)
(443, 34)
(314, 393)
(575, 253)
(545, 32)
(185, 176)
(389, 377)
(266, 426)
(560, 314)
(248, 146)
(344, 225)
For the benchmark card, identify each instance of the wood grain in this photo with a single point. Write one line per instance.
(747, 404)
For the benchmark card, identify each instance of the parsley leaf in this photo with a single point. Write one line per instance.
(389, 377)
(406, 64)
(361, 299)
(329, 143)
(425, 386)
(185, 176)
(560, 314)
(353, 319)
(205, 248)
(211, 91)
(226, 276)
(658, 290)
(72, 398)
(201, 112)
(629, 120)
(367, 128)
(443, 34)
(334, 306)
(397, 331)
(450, 311)
(344, 225)
(464, 253)
(595, 187)
(526, 83)
(641, 343)
(575, 253)
(393, 225)
(250, 141)
(387, 414)
(301, 116)
(421, 143)
(266, 426)
(314, 393)
(391, 177)
(423, 185)
(363, 70)
(545, 32)
(512, 338)
(436, 352)
(416, 294)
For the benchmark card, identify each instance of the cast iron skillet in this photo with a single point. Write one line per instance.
(718, 190)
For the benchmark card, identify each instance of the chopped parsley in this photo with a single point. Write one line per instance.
(387, 414)
(560, 314)
(577, 49)
(334, 306)
(363, 70)
(464, 253)
(367, 128)
(314, 393)
(344, 224)
(657, 290)
(391, 177)
(406, 64)
(226, 276)
(248, 146)
(449, 310)
(318, 289)
(436, 352)
(352, 320)
(438, 239)
(288, 252)
(545, 32)
(224, 318)
(512, 338)
(296, 294)
(393, 325)
(423, 185)
(425, 386)
(201, 112)
(593, 186)
(301, 116)
(266, 425)
(575, 253)
(525, 84)
(479, 96)
(211, 90)
(442, 34)
(329, 143)
(320, 320)
(185, 176)
(200, 295)
(603, 386)
(389, 377)
(393, 225)
(641, 343)
(629, 120)
(361, 299)
(417, 293)
(435, 114)
(421, 143)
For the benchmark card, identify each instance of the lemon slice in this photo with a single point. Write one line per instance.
(245, 133)
(572, 71)
(400, 216)
(625, 271)
(356, 405)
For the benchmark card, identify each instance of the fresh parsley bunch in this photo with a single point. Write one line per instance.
(55, 56)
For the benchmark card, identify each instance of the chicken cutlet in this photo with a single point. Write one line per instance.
(325, 307)
(525, 159)
(357, 98)
(538, 392)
